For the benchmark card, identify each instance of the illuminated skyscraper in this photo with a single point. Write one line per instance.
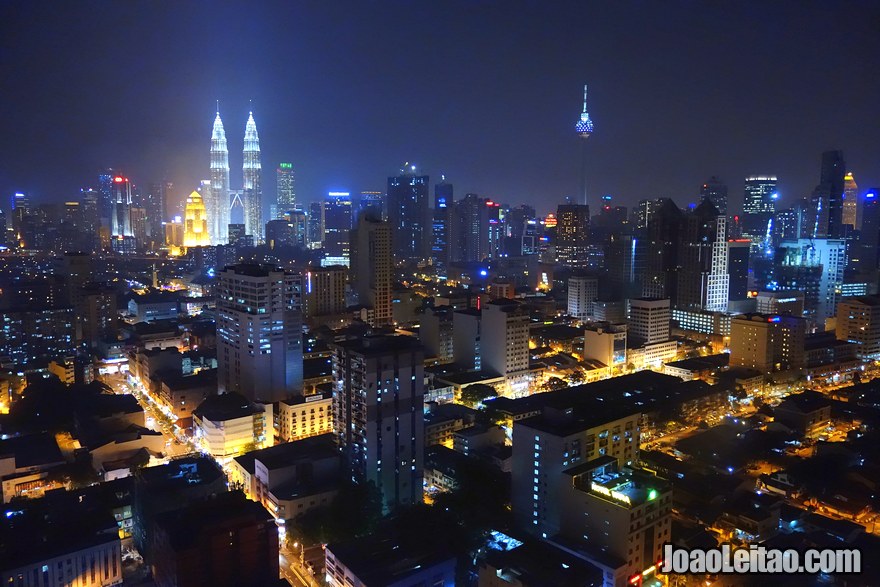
(826, 205)
(715, 191)
(572, 234)
(285, 192)
(584, 129)
(315, 232)
(253, 186)
(217, 201)
(409, 214)
(195, 224)
(759, 204)
(852, 211)
(337, 229)
(122, 238)
(372, 202)
(442, 222)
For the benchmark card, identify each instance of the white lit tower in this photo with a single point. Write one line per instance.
(253, 186)
(584, 129)
(217, 204)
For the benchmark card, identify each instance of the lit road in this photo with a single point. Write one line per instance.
(292, 571)
(176, 443)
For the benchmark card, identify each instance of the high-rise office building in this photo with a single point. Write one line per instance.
(648, 320)
(520, 231)
(470, 229)
(826, 205)
(715, 191)
(409, 214)
(285, 188)
(572, 234)
(371, 268)
(372, 203)
(20, 206)
(253, 181)
(738, 269)
(217, 200)
(442, 225)
(378, 404)
(815, 267)
(505, 345)
(105, 199)
(858, 321)
(660, 249)
(279, 232)
(852, 207)
(316, 225)
(759, 204)
(195, 222)
(767, 342)
(299, 227)
(702, 275)
(337, 229)
(155, 202)
(259, 332)
(870, 237)
(324, 291)
(122, 237)
(644, 211)
(583, 291)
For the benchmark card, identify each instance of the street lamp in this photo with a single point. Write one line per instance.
(302, 553)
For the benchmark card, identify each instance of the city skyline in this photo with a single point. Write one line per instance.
(666, 123)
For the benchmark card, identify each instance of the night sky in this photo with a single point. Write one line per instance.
(485, 92)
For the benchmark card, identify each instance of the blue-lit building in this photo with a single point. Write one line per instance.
(759, 204)
(337, 229)
(409, 215)
(372, 203)
(442, 225)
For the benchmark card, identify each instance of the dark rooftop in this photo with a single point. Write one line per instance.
(32, 450)
(37, 530)
(702, 363)
(184, 526)
(380, 344)
(557, 332)
(386, 561)
(539, 564)
(252, 269)
(808, 401)
(204, 378)
(181, 473)
(223, 407)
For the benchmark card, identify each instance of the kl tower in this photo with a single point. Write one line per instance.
(584, 128)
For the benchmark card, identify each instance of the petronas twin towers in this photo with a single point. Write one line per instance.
(218, 202)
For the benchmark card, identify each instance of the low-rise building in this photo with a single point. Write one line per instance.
(229, 424)
(605, 342)
(808, 413)
(180, 395)
(44, 545)
(154, 305)
(292, 478)
(442, 421)
(303, 416)
(389, 562)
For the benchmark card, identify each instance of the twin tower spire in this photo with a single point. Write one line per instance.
(219, 201)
